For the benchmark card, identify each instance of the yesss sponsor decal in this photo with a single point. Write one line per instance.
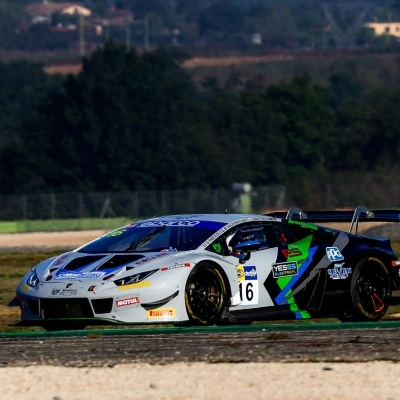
(284, 269)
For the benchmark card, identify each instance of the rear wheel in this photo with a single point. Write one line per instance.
(205, 294)
(370, 290)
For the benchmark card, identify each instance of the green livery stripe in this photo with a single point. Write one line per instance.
(305, 224)
(302, 251)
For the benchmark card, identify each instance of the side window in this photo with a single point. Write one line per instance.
(263, 233)
(218, 246)
(268, 235)
(223, 245)
(285, 233)
(271, 239)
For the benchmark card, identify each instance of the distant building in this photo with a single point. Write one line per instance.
(42, 12)
(113, 17)
(385, 28)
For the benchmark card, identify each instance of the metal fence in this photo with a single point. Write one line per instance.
(141, 204)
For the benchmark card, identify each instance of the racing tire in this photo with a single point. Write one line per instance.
(205, 294)
(370, 291)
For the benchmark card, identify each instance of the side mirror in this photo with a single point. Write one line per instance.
(245, 249)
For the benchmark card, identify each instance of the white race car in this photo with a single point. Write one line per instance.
(211, 269)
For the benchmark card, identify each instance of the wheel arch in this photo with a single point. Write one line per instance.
(378, 256)
(223, 273)
(362, 293)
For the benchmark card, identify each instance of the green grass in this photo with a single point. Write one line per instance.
(54, 225)
(13, 266)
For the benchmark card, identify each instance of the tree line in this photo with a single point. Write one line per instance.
(131, 121)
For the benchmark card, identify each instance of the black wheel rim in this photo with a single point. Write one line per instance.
(373, 290)
(205, 295)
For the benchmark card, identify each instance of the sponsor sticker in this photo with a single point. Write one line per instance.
(248, 285)
(334, 254)
(187, 265)
(178, 217)
(290, 253)
(339, 272)
(284, 269)
(246, 272)
(131, 301)
(58, 292)
(80, 275)
(217, 247)
(134, 285)
(162, 313)
(147, 259)
(167, 223)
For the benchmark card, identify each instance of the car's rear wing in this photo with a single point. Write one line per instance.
(360, 214)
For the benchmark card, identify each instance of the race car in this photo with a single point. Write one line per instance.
(204, 269)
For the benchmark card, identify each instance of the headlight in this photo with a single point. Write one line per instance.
(33, 279)
(134, 278)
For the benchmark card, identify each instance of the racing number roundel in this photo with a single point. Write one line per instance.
(248, 284)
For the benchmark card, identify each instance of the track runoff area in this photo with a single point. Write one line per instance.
(159, 330)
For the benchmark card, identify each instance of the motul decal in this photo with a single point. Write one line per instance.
(127, 302)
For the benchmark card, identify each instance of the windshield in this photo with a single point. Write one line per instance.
(151, 236)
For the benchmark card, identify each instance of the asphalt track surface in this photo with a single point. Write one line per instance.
(270, 343)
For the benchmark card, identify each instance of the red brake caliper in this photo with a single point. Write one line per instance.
(379, 305)
(212, 298)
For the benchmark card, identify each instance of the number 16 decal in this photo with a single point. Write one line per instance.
(248, 284)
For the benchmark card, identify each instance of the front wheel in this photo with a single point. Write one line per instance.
(205, 294)
(370, 290)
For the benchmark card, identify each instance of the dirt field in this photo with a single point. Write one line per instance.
(75, 68)
(46, 240)
(203, 381)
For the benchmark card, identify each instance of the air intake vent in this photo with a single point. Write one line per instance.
(66, 308)
(102, 306)
(80, 262)
(33, 306)
(119, 260)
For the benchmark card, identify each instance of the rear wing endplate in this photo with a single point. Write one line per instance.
(360, 214)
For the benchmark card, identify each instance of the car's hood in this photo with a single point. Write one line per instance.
(80, 266)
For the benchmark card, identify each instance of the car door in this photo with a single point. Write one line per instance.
(249, 291)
